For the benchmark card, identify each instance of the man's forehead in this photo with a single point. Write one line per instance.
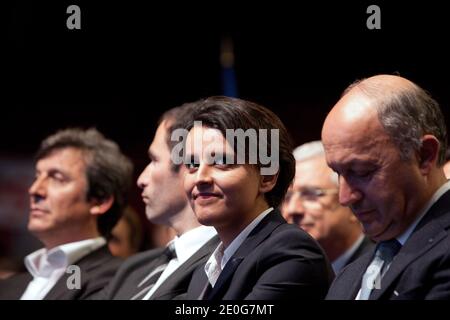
(156, 150)
(313, 171)
(355, 136)
(313, 164)
(353, 114)
(62, 159)
(357, 151)
(159, 141)
(355, 106)
(342, 160)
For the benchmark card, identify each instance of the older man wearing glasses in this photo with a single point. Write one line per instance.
(312, 203)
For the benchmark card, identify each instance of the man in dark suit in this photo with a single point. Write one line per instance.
(80, 190)
(260, 256)
(312, 204)
(386, 138)
(96, 270)
(164, 273)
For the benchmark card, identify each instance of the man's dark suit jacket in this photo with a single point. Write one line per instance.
(421, 269)
(125, 283)
(97, 268)
(276, 261)
(365, 246)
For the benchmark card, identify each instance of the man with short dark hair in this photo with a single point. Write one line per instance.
(239, 165)
(80, 189)
(386, 139)
(164, 273)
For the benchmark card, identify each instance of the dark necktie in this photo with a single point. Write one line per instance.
(149, 281)
(385, 253)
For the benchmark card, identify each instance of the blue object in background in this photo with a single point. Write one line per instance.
(229, 85)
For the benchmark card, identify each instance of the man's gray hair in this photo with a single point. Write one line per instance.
(311, 150)
(407, 115)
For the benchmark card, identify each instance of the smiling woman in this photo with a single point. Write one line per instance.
(227, 196)
(260, 256)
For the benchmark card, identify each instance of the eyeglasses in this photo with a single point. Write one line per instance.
(310, 197)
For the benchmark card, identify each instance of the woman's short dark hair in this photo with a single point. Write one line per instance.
(224, 113)
(108, 170)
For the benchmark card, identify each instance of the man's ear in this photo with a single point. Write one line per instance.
(268, 182)
(101, 206)
(428, 153)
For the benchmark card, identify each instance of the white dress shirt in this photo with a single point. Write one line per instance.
(405, 235)
(216, 263)
(47, 266)
(185, 247)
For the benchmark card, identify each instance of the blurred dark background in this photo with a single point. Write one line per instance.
(130, 62)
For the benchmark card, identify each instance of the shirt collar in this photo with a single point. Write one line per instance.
(189, 242)
(220, 256)
(236, 243)
(405, 236)
(212, 266)
(43, 262)
(74, 251)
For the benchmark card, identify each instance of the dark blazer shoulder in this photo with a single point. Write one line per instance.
(419, 270)
(176, 285)
(96, 270)
(127, 281)
(365, 246)
(13, 287)
(138, 260)
(276, 261)
(128, 274)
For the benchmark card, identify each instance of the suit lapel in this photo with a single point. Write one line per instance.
(348, 287)
(427, 234)
(13, 288)
(198, 284)
(258, 234)
(130, 278)
(60, 291)
(365, 246)
(185, 269)
(150, 269)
